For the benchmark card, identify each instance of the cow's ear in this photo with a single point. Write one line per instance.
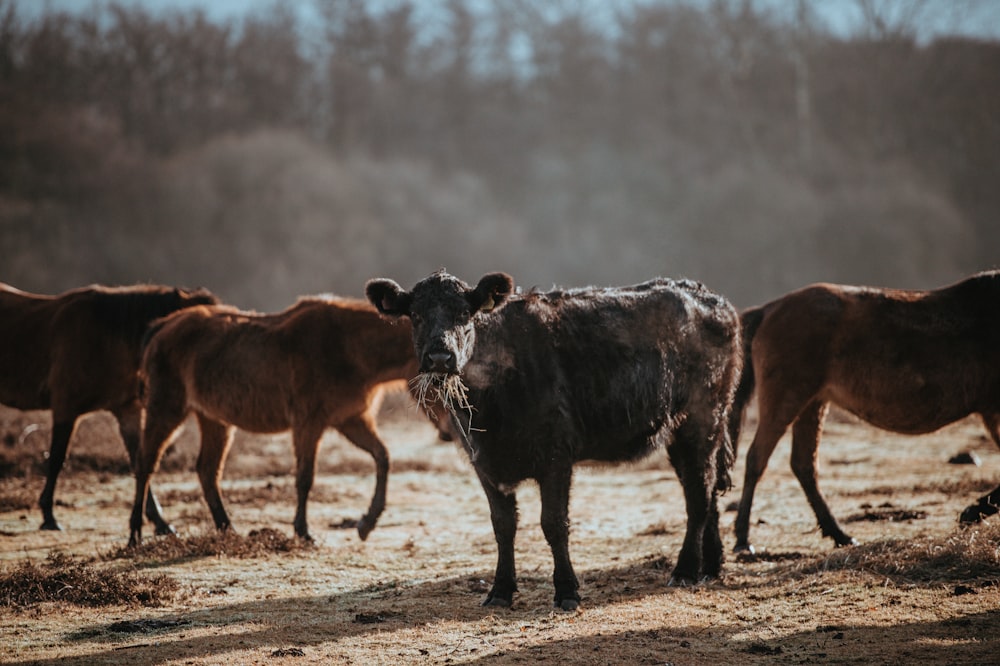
(388, 297)
(491, 292)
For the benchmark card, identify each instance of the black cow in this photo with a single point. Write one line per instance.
(544, 380)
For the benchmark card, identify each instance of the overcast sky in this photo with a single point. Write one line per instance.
(979, 18)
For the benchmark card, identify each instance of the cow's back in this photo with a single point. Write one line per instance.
(878, 352)
(217, 359)
(606, 374)
(25, 343)
(257, 371)
(57, 353)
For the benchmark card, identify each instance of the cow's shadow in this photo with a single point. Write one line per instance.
(376, 610)
(967, 639)
(161, 637)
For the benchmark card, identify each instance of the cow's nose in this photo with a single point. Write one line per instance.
(439, 361)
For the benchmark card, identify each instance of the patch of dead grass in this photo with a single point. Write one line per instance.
(229, 543)
(63, 578)
(965, 556)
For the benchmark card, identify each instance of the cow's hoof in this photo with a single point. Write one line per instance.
(976, 513)
(847, 541)
(166, 529)
(496, 602)
(365, 528)
(50, 524)
(681, 581)
(744, 548)
(567, 604)
(970, 516)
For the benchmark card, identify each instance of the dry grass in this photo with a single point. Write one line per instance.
(917, 589)
(448, 390)
(66, 579)
(256, 543)
(970, 557)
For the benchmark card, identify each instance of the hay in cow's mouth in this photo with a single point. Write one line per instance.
(435, 387)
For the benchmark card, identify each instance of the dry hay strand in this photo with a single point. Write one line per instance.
(966, 555)
(62, 578)
(429, 388)
(214, 544)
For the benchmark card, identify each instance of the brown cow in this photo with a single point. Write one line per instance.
(905, 361)
(77, 353)
(322, 363)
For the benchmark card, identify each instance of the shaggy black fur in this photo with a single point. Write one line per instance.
(586, 374)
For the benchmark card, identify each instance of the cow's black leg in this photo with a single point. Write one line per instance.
(694, 460)
(805, 442)
(988, 505)
(554, 489)
(712, 553)
(688, 567)
(62, 430)
(130, 426)
(503, 513)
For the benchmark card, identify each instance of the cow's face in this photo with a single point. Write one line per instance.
(442, 309)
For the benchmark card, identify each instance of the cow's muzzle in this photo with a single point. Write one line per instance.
(442, 362)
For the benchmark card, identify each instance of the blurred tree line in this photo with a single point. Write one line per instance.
(267, 157)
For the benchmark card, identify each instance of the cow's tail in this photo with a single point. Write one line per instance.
(750, 320)
(744, 385)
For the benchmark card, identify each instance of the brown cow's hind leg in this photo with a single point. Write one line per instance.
(987, 505)
(769, 431)
(130, 426)
(164, 413)
(62, 430)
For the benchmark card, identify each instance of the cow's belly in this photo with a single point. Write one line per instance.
(508, 455)
(907, 403)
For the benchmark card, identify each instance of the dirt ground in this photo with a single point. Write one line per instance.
(917, 590)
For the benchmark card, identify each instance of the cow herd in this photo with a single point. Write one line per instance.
(529, 383)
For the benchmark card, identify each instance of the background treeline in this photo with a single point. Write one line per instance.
(270, 156)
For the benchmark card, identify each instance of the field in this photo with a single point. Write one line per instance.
(917, 590)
